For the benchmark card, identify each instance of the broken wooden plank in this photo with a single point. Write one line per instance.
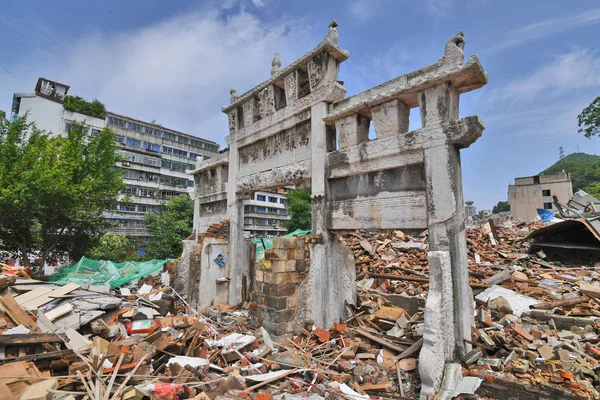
(411, 350)
(377, 339)
(30, 338)
(40, 356)
(59, 311)
(17, 314)
(48, 297)
(34, 294)
(559, 303)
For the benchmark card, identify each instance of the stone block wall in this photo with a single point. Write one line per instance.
(274, 300)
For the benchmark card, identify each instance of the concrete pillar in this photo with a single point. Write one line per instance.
(438, 104)
(390, 118)
(438, 333)
(447, 232)
(330, 280)
(238, 264)
(351, 130)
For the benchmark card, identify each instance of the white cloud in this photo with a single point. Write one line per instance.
(571, 71)
(364, 10)
(547, 27)
(178, 71)
(438, 8)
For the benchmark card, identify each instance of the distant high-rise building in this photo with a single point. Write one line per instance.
(155, 158)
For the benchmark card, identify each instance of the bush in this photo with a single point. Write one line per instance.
(77, 104)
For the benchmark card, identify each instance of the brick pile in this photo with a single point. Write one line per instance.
(274, 303)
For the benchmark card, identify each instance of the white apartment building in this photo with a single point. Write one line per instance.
(155, 158)
(265, 213)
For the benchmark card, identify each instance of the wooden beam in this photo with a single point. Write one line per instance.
(30, 338)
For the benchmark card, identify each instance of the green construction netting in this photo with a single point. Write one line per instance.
(97, 272)
(268, 242)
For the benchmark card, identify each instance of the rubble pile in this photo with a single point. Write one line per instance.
(535, 332)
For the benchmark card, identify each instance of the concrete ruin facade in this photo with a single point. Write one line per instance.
(533, 192)
(297, 128)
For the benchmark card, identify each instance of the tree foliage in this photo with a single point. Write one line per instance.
(116, 248)
(77, 104)
(589, 119)
(53, 190)
(502, 206)
(298, 205)
(169, 227)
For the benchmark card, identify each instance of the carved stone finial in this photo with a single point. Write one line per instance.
(454, 48)
(233, 94)
(332, 33)
(275, 65)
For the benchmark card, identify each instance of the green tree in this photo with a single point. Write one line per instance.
(169, 227)
(589, 119)
(116, 248)
(298, 205)
(53, 190)
(501, 207)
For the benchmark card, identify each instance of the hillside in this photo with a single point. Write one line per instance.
(584, 169)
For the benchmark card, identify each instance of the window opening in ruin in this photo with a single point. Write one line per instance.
(547, 206)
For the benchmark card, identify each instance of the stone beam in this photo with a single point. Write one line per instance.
(372, 163)
(461, 133)
(351, 130)
(407, 87)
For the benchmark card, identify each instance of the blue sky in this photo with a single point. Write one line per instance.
(175, 61)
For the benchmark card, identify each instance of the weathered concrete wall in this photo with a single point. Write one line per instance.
(209, 291)
(525, 199)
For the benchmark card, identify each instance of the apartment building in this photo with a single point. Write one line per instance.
(155, 158)
(265, 213)
(533, 192)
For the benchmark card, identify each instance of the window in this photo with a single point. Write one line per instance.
(546, 193)
(152, 146)
(272, 210)
(547, 206)
(116, 121)
(131, 191)
(261, 209)
(272, 199)
(127, 207)
(194, 156)
(119, 138)
(175, 152)
(133, 142)
(282, 201)
(94, 133)
(130, 174)
(190, 183)
(261, 197)
(147, 193)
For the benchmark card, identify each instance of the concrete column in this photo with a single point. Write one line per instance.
(238, 263)
(447, 233)
(390, 118)
(438, 104)
(330, 281)
(438, 332)
(351, 130)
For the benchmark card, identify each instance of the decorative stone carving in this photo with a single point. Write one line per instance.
(316, 71)
(233, 120)
(390, 118)
(291, 87)
(275, 65)
(266, 101)
(277, 177)
(250, 111)
(233, 95)
(454, 51)
(332, 33)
